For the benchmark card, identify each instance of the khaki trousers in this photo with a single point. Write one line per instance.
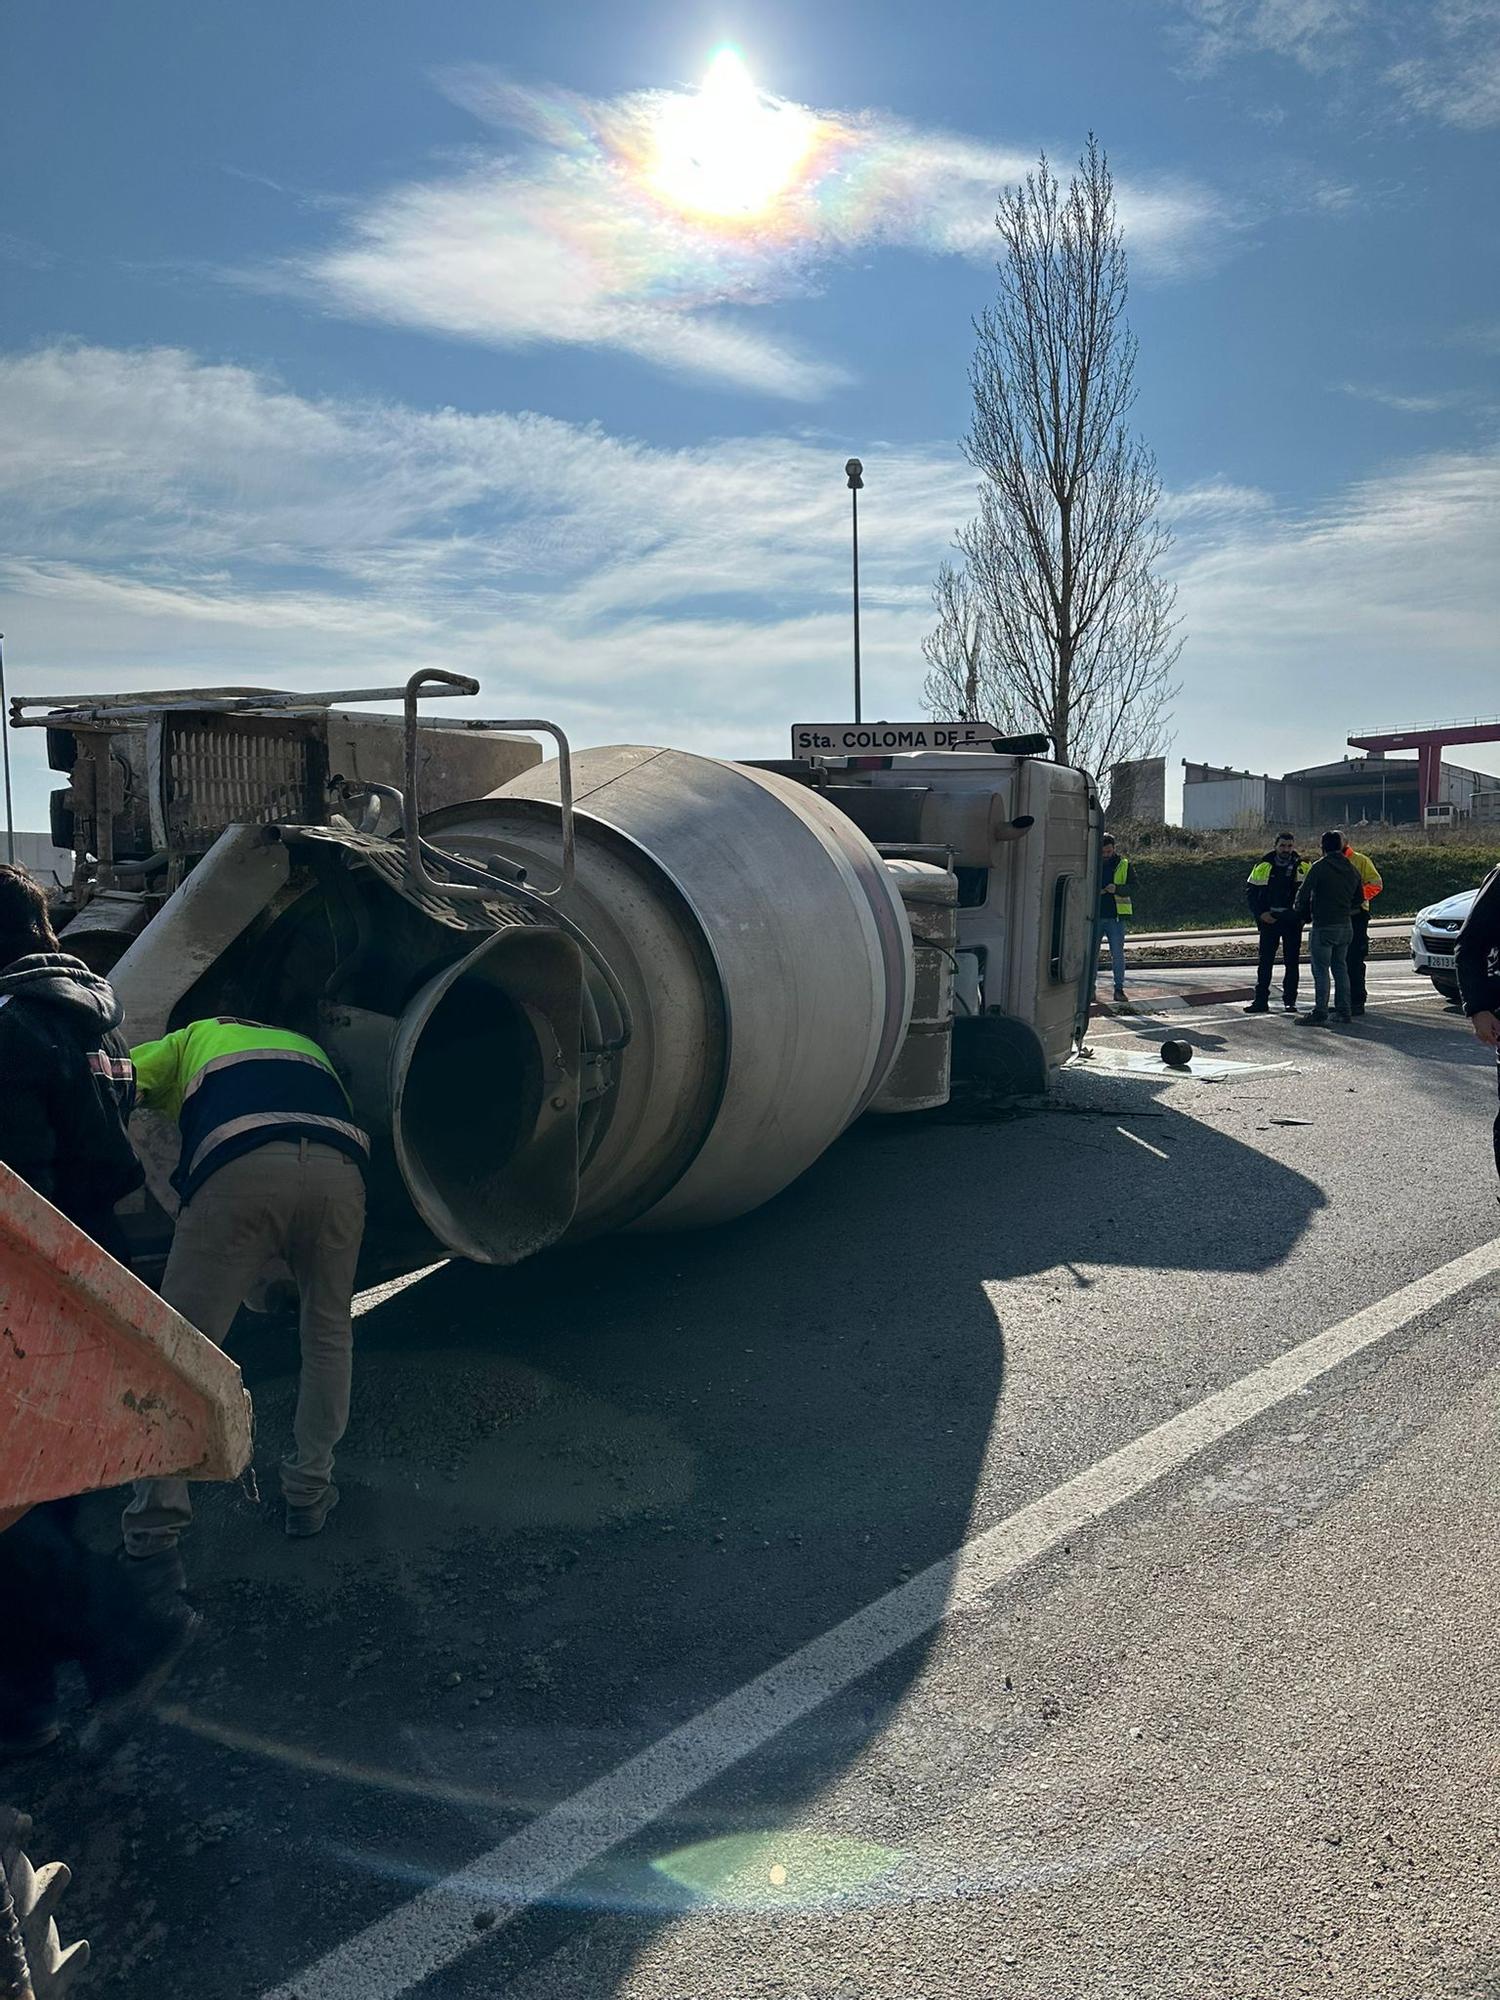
(303, 1202)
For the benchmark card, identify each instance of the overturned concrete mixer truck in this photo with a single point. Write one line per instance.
(626, 988)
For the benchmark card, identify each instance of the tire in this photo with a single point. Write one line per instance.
(1003, 1054)
(1445, 984)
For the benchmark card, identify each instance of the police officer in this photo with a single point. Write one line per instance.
(271, 1168)
(1475, 958)
(1271, 891)
(1115, 905)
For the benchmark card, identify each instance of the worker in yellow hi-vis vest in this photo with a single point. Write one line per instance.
(1115, 906)
(272, 1167)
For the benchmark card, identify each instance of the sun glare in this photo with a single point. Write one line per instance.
(727, 151)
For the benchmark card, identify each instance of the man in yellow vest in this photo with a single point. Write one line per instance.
(1359, 947)
(272, 1167)
(1271, 890)
(1115, 906)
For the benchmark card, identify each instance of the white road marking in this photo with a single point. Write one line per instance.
(1180, 1017)
(1142, 1142)
(399, 1951)
(378, 1294)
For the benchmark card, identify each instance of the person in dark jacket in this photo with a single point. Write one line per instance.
(1271, 891)
(67, 1084)
(66, 1092)
(1476, 959)
(1330, 894)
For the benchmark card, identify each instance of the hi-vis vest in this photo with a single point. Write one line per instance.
(1369, 874)
(1260, 874)
(234, 1085)
(1120, 884)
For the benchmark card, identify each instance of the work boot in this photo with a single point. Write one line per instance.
(1259, 1007)
(159, 1577)
(1313, 1020)
(129, 1667)
(27, 1736)
(28, 1716)
(301, 1522)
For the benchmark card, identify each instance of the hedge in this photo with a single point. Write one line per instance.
(1174, 890)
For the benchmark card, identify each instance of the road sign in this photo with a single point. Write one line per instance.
(853, 739)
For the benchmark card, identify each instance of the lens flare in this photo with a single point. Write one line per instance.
(727, 152)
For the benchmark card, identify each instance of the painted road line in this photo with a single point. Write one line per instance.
(1143, 1142)
(1203, 1020)
(1162, 1008)
(397, 1952)
(378, 1294)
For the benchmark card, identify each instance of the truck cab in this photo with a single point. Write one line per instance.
(1021, 836)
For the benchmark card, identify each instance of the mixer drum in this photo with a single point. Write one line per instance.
(766, 959)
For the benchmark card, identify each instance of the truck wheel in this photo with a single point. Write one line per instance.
(1005, 1055)
(35, 1892)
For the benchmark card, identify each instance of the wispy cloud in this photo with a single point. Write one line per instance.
(21, 250)
(201, 521)
(1411, 405)
(1446, 64)
(178, 520)
(1212, 500)
(310, 198)
(1455, 77)
(1342, 611)
(654, 223)
(154, 454)
(1312, 33)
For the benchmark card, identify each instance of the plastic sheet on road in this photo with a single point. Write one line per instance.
(1146, 1061)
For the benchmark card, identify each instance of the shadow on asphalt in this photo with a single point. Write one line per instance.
(582, 1500)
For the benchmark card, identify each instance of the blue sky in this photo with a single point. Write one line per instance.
(345, 338)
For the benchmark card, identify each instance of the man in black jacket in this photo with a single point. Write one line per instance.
(1476, 957)
(67, 1087)
(1330, 894)
(1271, 891)
(66, 1092)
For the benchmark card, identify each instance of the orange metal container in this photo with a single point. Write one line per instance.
(100, 1382)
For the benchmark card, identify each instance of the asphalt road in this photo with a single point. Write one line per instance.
(1217, 1719)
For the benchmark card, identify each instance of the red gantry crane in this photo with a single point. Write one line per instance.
(1429, 740)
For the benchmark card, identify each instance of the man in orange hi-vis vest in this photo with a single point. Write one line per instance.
(1359, 947)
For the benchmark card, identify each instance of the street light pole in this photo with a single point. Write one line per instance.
(854, 472)
(10, 818)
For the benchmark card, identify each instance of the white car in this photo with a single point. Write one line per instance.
(1433, 934)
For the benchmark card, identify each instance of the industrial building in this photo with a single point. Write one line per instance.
(1375, 787)
(1353, 790)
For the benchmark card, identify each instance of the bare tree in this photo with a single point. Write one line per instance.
(1058, 619)
(954, 647)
